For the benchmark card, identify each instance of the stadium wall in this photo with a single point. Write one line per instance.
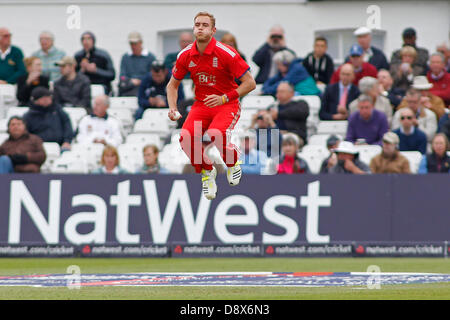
(249, 20)
(165, 214)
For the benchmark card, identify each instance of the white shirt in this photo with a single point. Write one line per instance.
(4, 54)
(92, 127)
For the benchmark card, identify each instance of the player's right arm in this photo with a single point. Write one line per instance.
(172, 97)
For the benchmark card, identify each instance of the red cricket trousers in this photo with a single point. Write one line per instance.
(218, 122)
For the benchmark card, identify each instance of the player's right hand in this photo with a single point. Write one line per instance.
(174, 115)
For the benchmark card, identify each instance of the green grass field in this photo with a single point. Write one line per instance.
(32, 266)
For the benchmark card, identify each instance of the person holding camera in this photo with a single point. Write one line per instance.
(263, 56)
(404, 72)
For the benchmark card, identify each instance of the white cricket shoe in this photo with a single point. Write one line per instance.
(234, 174)
(209, 186)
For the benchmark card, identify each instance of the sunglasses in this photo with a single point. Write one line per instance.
(276, 36)
(408, 117)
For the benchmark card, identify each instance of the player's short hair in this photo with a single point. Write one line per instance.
(320, 38)
(207, 14)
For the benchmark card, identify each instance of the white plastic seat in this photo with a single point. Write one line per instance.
(75, 114)
(131, 156)
(16, 111)
(187, 88)
(52, 151)
(3, 137)
(367, 152)
(314, 107)
(151, 126)
(320, 150)
(69, 162)
(7, 98)
(124, 115)
(91, 153)
(313, 159)
(124, 102)
(97, 90)
(338, 127)
(257, 102)
(143, 139)
(414, 158)
(3, 125)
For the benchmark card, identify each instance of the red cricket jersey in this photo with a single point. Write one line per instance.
(214, 72)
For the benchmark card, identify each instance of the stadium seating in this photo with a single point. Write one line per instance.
(124, 102)
(70, 162)
(257, 102)
(75, 114)
(3, 125)
(7, 98)
(97, 90)
(367, 152)
(16, 111)
(144, 139)
(91, 154)
(52, 151)
(125, 116)
(320, 139)
(414, 158)
(187, 88)
(131, 157)
(332, 127)
(3, 137)
(151, 126)
(314, 107)
(314, 155)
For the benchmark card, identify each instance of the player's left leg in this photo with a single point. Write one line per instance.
(220, 131)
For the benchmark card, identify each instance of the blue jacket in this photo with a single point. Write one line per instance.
(263, 59)
(414, 142)
(149, 88)
(296, 74)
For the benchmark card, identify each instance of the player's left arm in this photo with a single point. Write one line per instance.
(247, 85)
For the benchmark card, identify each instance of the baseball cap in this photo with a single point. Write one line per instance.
(362, 31)
(40, 92)
(391, 137)
(134, 37)
(158, 66)
(408, 32)
(66, 60)
(356, 50)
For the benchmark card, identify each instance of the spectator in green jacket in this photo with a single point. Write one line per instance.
(11, 59)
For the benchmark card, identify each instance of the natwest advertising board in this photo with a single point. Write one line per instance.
(277, 210)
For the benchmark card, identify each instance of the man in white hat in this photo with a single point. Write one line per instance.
(348, 160)
(427, 99)
(372, 54)
(390, 160)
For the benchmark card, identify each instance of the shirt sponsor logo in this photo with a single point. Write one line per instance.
(215, 62)
(206, 79)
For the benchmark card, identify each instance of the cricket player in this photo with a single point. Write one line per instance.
(214, 67)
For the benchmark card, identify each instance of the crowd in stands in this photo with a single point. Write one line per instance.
(399, 104)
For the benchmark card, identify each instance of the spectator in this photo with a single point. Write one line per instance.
(367, 125)
(268, 136)
(318, 63)
(95, 63)
(425, 118)
(22, 151)
(429, 100)
(49, 54)
(151, 163)
(73, 89)
(263, 56)
(290, 70)
(134, 66)
(395, 95)
(362, 69)
(290, 162)
(443, 48)
(337, 96)
(48, 120)
(438, 160)
(409, 39)
(230, 40)
(99, 127)
(390, 160)
(371, 87)
(152, 91)
(290, 115)
(411, 137)
(439, 77)
(332, 143)
(11, 59)
(30, 80)
(372, 55)
(110, 162)
(347, 160)
(404, 72)
(185, 39)
(253, 160)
